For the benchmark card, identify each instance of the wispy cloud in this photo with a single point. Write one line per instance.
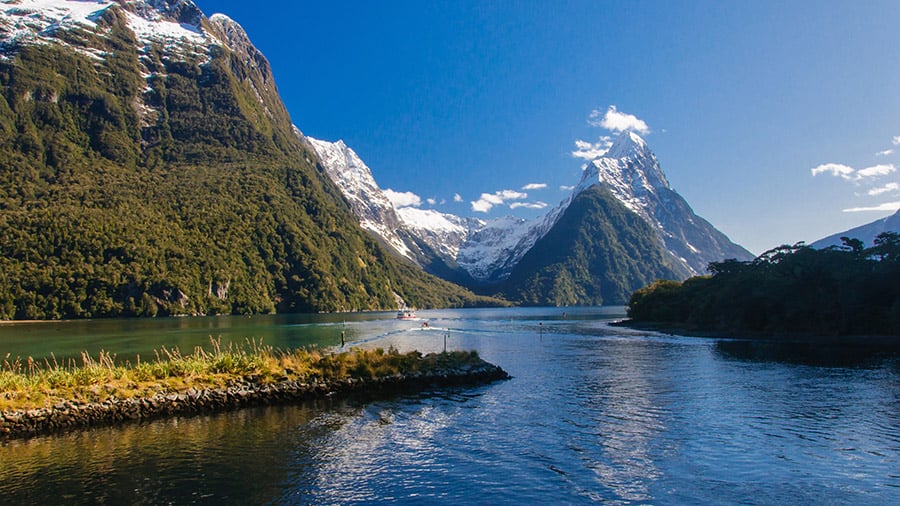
(403, 199)
(835, 169)
(431, 201)
(878, 170)
(566, 188)
(887, 206)
(614, 120)
(457, 197)
(489, 200)
(890, 187)
(591, 150)
(534, 186)
(528, 205)
(851, 174)
(896, 141)
(886, 152)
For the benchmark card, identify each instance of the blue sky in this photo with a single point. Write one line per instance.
(777, 121)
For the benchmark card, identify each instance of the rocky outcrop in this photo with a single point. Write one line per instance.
(66, 416)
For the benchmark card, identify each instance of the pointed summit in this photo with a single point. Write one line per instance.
(631, 172)
(629, 169)
(629, 145)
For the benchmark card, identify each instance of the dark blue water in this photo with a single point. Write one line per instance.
(593, 413)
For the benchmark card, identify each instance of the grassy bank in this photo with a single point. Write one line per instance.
(28, 384)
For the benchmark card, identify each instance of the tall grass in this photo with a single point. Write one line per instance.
(28, 384)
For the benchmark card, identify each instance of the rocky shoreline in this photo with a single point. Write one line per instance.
(69, 415)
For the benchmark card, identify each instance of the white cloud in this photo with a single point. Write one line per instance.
(890, 187)
(887, 206)
(878, 170)
(534, 186)
(835, 169)
(431, 202)
(403, 199)
(457, 197)
(591, 150)
(617, 121)
(489, 200)
(528, 205)
(896, 141)
(566, 188)
(886, 152)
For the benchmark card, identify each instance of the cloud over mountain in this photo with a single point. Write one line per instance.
(498, 198)
(618, 122)
(403, 199)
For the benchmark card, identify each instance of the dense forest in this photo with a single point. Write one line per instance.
(152, 183)
(838, 291)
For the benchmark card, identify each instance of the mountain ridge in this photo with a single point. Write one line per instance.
(490, 250)
(866, 233)
(149, 167)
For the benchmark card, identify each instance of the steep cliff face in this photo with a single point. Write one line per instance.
(148, 166)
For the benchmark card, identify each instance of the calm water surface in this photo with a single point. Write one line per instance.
(593, 413)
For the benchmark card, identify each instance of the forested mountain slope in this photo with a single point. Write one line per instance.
(143, 173)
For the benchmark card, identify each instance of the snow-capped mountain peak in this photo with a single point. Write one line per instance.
(367, 201)
(629, 169)
(39, 21)
(632, 173)
(629, 144)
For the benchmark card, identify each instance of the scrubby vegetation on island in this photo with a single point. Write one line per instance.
(837, 291)
(30, 384)
(49, 398)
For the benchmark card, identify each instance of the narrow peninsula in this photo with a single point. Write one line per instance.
(46, 398)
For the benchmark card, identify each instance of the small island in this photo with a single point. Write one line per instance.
(45, 398)
(789, 291)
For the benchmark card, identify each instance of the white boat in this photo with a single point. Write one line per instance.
(407, 314)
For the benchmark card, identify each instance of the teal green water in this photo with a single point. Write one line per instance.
(130, 337)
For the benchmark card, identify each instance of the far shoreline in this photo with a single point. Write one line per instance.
(675, 329)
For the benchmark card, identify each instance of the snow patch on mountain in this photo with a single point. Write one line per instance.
(493, 250)
(367, 201)
(39, 21)
(630, 170)
(444, 233)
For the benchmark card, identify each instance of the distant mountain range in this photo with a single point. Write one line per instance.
(865, 233)
(628, 228)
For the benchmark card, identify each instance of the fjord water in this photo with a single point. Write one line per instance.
(593, 413)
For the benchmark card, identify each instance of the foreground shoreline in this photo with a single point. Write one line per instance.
(70, 415)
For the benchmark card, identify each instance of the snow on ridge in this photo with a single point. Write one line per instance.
(58, 12)
(37, 21)
(368, 202)
(164, 31)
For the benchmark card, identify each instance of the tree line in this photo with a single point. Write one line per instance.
(842, 290)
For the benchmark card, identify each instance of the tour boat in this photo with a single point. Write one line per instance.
(406, 314)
